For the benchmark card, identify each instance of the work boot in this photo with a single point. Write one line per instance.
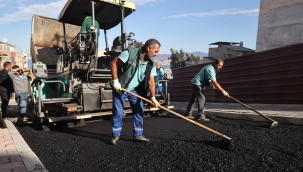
(141, 139)
(201, 118)
(114, 140)
(189, 116)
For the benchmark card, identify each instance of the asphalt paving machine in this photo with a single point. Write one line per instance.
(70, 76)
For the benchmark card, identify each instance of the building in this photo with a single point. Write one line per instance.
(21, 60)
(7, 53)
(226, 50)
(280, 24)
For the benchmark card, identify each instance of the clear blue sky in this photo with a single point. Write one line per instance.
(188, 24)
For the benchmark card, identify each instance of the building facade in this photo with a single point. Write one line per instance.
(280, 24)
(8, 53)
(226, 50)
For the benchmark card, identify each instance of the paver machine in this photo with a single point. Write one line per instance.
(70, 76)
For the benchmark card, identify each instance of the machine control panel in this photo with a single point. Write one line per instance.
(39, 70)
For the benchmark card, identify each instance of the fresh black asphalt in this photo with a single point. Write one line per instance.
(176, 145)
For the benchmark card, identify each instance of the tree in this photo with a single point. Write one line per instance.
(191, 58)
(177, 58)
(181, 59)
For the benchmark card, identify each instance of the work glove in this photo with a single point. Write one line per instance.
(117, 84)
(225, 93)
(155, 102)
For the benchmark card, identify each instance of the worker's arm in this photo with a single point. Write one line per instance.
(113, 67)
(83, 27)
(161, 73)
(217, 86)
(152, 86)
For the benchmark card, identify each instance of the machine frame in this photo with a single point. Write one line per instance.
(80, 87)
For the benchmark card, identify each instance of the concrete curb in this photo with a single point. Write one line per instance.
(282, 113)
(29, 158)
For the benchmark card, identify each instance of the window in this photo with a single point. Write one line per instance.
(3, 47)
(12, 49)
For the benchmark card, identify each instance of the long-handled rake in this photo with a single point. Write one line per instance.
(274, 123)
(225, 139)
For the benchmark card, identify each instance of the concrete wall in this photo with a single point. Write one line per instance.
(280, 24)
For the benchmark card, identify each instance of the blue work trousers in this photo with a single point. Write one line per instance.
(21, 99)
(118, 110)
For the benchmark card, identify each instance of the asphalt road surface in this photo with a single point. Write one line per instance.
(176, 145)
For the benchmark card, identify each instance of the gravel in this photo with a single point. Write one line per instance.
(176, 145)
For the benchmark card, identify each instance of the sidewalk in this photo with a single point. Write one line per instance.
(16, 155)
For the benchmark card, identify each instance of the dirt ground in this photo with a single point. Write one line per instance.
(176, 145)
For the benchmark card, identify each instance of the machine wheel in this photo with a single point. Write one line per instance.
(30, 102)
(41, 123)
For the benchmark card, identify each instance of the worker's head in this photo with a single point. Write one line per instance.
(86, 14)
(15, 67)
(151, 48)
(218, 64)
(158, 65)
(7, 65)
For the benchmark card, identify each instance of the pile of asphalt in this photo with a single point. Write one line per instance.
(176, 145)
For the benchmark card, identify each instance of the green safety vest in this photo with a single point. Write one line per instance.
(127, 70)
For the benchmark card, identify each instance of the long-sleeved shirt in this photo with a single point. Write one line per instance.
(20, 82)
(86, 26)
(160, 76)
(6, 84)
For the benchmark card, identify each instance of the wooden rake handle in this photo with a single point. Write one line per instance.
(181, 116)
(251, 109)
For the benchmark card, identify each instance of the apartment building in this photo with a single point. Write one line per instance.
(8, 53)
(226, 50)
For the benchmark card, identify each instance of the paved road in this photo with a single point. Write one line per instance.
(176, 145)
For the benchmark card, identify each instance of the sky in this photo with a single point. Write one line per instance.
(190, 25)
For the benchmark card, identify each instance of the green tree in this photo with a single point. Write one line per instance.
(191, 58)
(177, 58)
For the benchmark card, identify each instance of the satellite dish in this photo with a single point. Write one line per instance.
(4, 39)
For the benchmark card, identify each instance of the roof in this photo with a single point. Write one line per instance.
(224, 43)
(212, 59)
(107, 12)
(238, 48)
(6, 43)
